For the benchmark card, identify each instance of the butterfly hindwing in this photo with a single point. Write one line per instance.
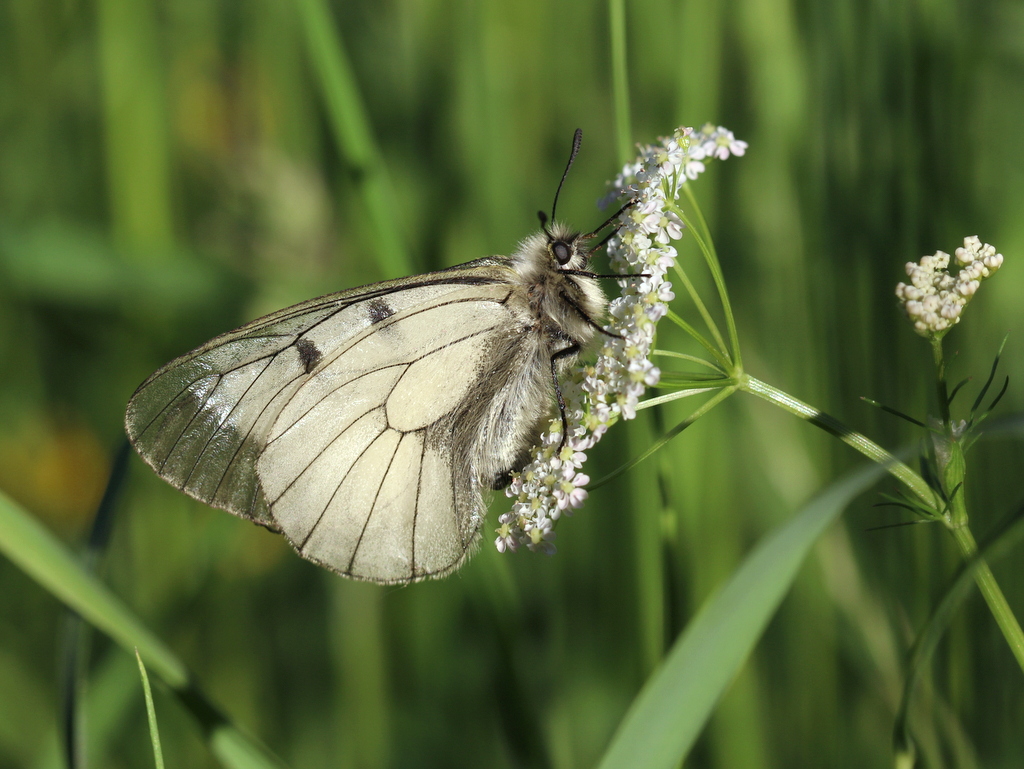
(333, 420)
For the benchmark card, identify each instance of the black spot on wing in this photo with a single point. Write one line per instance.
(379, 310)
(309, 354)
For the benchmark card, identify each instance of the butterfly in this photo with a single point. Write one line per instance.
(367, 425)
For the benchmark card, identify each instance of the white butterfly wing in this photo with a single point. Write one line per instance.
(334, 421)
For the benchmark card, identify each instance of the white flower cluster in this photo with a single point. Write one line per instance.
(598, 395)
(935, 299)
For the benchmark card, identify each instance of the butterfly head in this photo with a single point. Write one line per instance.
(566, 248)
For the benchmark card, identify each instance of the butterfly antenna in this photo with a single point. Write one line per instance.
(611, 219)
(544, 223)
(576, 139)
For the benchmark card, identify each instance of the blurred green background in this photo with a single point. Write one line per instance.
(169, 170)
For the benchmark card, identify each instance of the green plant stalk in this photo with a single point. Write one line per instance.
(351, 127)
(620, 81)
(690, 358)
(957, 525)
(717, 354)
(702, 309)
(940, 384)
(154, 731)
(953, 472)
(707, 246)
(994, 597)
(833, 426)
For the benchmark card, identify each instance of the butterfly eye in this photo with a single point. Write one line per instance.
(561, 252)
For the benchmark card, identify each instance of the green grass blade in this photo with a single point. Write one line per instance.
(1008, 536)
(620, 81)
(154, 732)
(354, 136)
(667, 716)
(31, 547)
(48, 561)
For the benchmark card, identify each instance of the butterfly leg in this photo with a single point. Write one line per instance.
(572, 349)
(586, 318)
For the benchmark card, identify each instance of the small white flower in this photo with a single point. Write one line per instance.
(934, 300)
(609, 389)
(540, 534)
(693, 168)
(506, 539)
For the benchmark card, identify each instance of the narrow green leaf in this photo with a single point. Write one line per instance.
(47, 560)
(154, 732)
(352, 132)
(31, 547)
(1008, 536)
(668, 435)
(620, 80)
(676, 701)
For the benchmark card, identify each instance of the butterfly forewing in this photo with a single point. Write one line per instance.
(333, 420)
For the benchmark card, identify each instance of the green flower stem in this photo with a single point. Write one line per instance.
(690, 358)
(833, 426)
(940, 384)
(620, 80)
(707, 246)
(993, 595)
(701, 308)
(957, 521)
(704, 408)
(715, 353)
(952, 471)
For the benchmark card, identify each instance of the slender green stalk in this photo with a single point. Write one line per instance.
(711, 257)
(154, 731)
(620, 81)
(940, 384)
(678, 395)
(833, 426)
(690, 358)
(994, 597)
(952, 472)
(354, 136)
(705, 407)
(717, 354)
(956, 522)
(701, 307)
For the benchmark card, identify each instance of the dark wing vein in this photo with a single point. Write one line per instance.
(198, 378)
(416, 506)
(248, 432)
(329, 394)
(338, 487)
(321, 453)
(199, 410)
(305, 331)
(373, 505)
(359, 337)
(347, 382)
(224, 421)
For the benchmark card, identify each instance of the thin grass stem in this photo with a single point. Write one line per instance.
(704, 408)
(354, 136)
(711, 257)
(717, 354)
(620, 81)
(701, 308)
